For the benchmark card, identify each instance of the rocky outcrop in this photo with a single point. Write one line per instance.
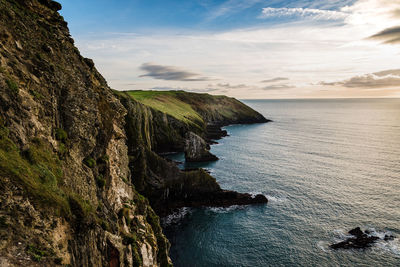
(161, 181)
(196, 149)
(359, 240)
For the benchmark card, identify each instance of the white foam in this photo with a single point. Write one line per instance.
(275, 198)
(176, 216)
(341, 235)
(323, 245)
(224, 209)
(390, 246)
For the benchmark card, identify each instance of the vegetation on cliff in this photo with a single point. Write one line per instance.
(80, 176)
(198, 109)
(64, 173)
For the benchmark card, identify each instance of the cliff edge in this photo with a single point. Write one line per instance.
(66, 194)
(81, 180)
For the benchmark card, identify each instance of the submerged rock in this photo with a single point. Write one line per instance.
(360, 240)
(197, 150)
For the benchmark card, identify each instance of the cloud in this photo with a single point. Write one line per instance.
(170, 73)
(231, 7)
(306, 51)
(277, 79)
(278, 87)
(388, 36)
(316, 14)
(382, 79)
(229, 86)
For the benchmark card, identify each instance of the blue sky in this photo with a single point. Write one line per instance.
(243, 48)
(144, 15)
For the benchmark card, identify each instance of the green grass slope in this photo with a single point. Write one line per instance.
(198, 108)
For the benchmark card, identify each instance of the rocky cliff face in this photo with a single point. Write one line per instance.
(161, 181)
(196, 149)
(66, 196)
(76, 158)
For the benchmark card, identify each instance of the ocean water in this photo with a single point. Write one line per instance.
(327, 166)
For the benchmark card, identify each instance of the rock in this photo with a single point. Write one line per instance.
(196, 149)
(357, 232)
(360, 240)
(389, 237)
(18, 45)
(214, 132)
(51, 4)
(89, 62)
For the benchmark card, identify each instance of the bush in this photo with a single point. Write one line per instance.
(101, 181)
(90, 162)
(35, 253)
(12, 86)
(129, 239)
(61, 135)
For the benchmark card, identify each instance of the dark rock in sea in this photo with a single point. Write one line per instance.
(389, 237)
(197, 150)
(357, 232)
(220, 198)
(359, 241)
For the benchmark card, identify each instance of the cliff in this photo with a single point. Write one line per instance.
(76, 157)
(151, 129)
(66, 195)
(202, 114)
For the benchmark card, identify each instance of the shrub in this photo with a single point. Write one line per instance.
(104, 159)
(101, 181)
(35, 253)
(12, 86)
(90, 162)
(61, 135)
(129, 239)
(36, 94)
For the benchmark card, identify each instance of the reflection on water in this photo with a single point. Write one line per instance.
(327, 167)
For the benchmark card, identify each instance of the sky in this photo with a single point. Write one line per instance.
(249, 49)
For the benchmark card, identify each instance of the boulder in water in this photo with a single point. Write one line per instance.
(360, 240)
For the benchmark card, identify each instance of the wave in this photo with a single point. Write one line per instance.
(176, 216)
(225, 209)
(270, 197)
(390, 246)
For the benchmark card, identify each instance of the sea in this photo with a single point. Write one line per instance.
(326, 166)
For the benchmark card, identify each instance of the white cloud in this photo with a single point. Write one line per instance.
(304, 52)
(382, 79)
(316, 14)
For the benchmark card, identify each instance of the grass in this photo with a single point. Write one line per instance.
(167, 102)
(36, 253)
(37, 170)
(194, 107)
(12, 85)
(90, 162)
(61, 135)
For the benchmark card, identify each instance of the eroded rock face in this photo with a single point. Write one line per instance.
(66, 194)
(196, 149)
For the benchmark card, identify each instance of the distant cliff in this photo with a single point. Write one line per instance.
(80, 177)
(160, 122)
